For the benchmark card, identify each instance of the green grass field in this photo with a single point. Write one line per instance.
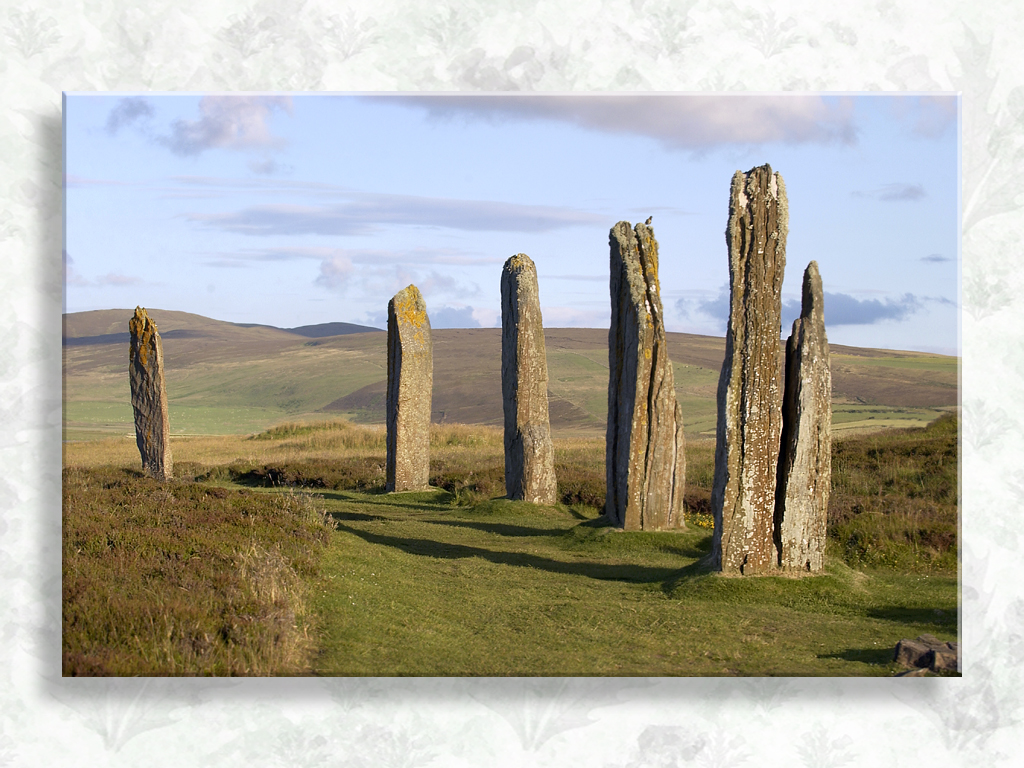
(228, 379)
(231, 568)
(274, 551)
(513, 589)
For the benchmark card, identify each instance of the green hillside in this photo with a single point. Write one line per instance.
(227, 378)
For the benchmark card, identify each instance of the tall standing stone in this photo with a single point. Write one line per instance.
(749, 391)
(529, 454)
(410, 383)
(805, 458)
(149, 397)
(645, 461)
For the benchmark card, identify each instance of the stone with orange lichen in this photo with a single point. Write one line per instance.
(645, 461)
(410, 384)
(149, 395)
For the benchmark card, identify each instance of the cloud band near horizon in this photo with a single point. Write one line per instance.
(678, 121)
(360, 214)
(840, 309)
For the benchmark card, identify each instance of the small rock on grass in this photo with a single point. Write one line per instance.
(927, 652)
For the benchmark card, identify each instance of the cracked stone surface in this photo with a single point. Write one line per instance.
(149, 396)
(749, 389)
(805, 458)
(645, 460)
(529, 453)
(410, 386)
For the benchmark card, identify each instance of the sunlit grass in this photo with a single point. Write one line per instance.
(225, 571)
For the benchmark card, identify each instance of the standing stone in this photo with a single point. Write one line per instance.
(805, 458)
(749, 392)
(149, 397)
(645, 461)
(529, 454)
(410, 382)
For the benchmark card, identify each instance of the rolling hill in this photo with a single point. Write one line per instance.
(229, 378)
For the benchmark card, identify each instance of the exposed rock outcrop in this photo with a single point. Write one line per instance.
(529, 453)
(928, 652)
(645, 459)
(749, 389)
(149, 395)
(805, 457)
(410, 384)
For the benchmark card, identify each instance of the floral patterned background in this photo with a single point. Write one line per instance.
(547, 45)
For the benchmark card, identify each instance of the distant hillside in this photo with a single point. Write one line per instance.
(110, 326)
(227, 378)
(318, 331)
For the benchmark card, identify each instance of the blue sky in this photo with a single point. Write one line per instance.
(296, 209)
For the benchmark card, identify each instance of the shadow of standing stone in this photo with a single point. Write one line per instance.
(410, 384)
(645, 459)
(805, 458)
(149, 396)
(749, 391)
(529, 454)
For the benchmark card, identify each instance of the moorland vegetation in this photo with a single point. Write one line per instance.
(279, 554)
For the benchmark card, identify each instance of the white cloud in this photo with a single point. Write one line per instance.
(117, 279)
(268, 167)
(364, 213)
(895, 192)
(928, 116)
(678, 121)
(335, 272)
(367, 256)
(71, 275)
(453, 317)
(228, 122)
(840, 309)
(128, 111)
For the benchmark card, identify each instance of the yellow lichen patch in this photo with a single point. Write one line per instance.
(409, 307)
(142, 330)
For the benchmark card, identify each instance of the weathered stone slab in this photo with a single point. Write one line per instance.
(805, 456)
(149, 395)
(529, 454)
(749, 391)
(410, 385)
(645, 460)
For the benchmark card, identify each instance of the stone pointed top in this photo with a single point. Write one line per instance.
(519, 262)
(746, 185)
(636, 252)
(813, 299)
(410, 307)
(142, 329)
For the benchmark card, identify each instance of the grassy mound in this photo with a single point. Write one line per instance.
(185, 578)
